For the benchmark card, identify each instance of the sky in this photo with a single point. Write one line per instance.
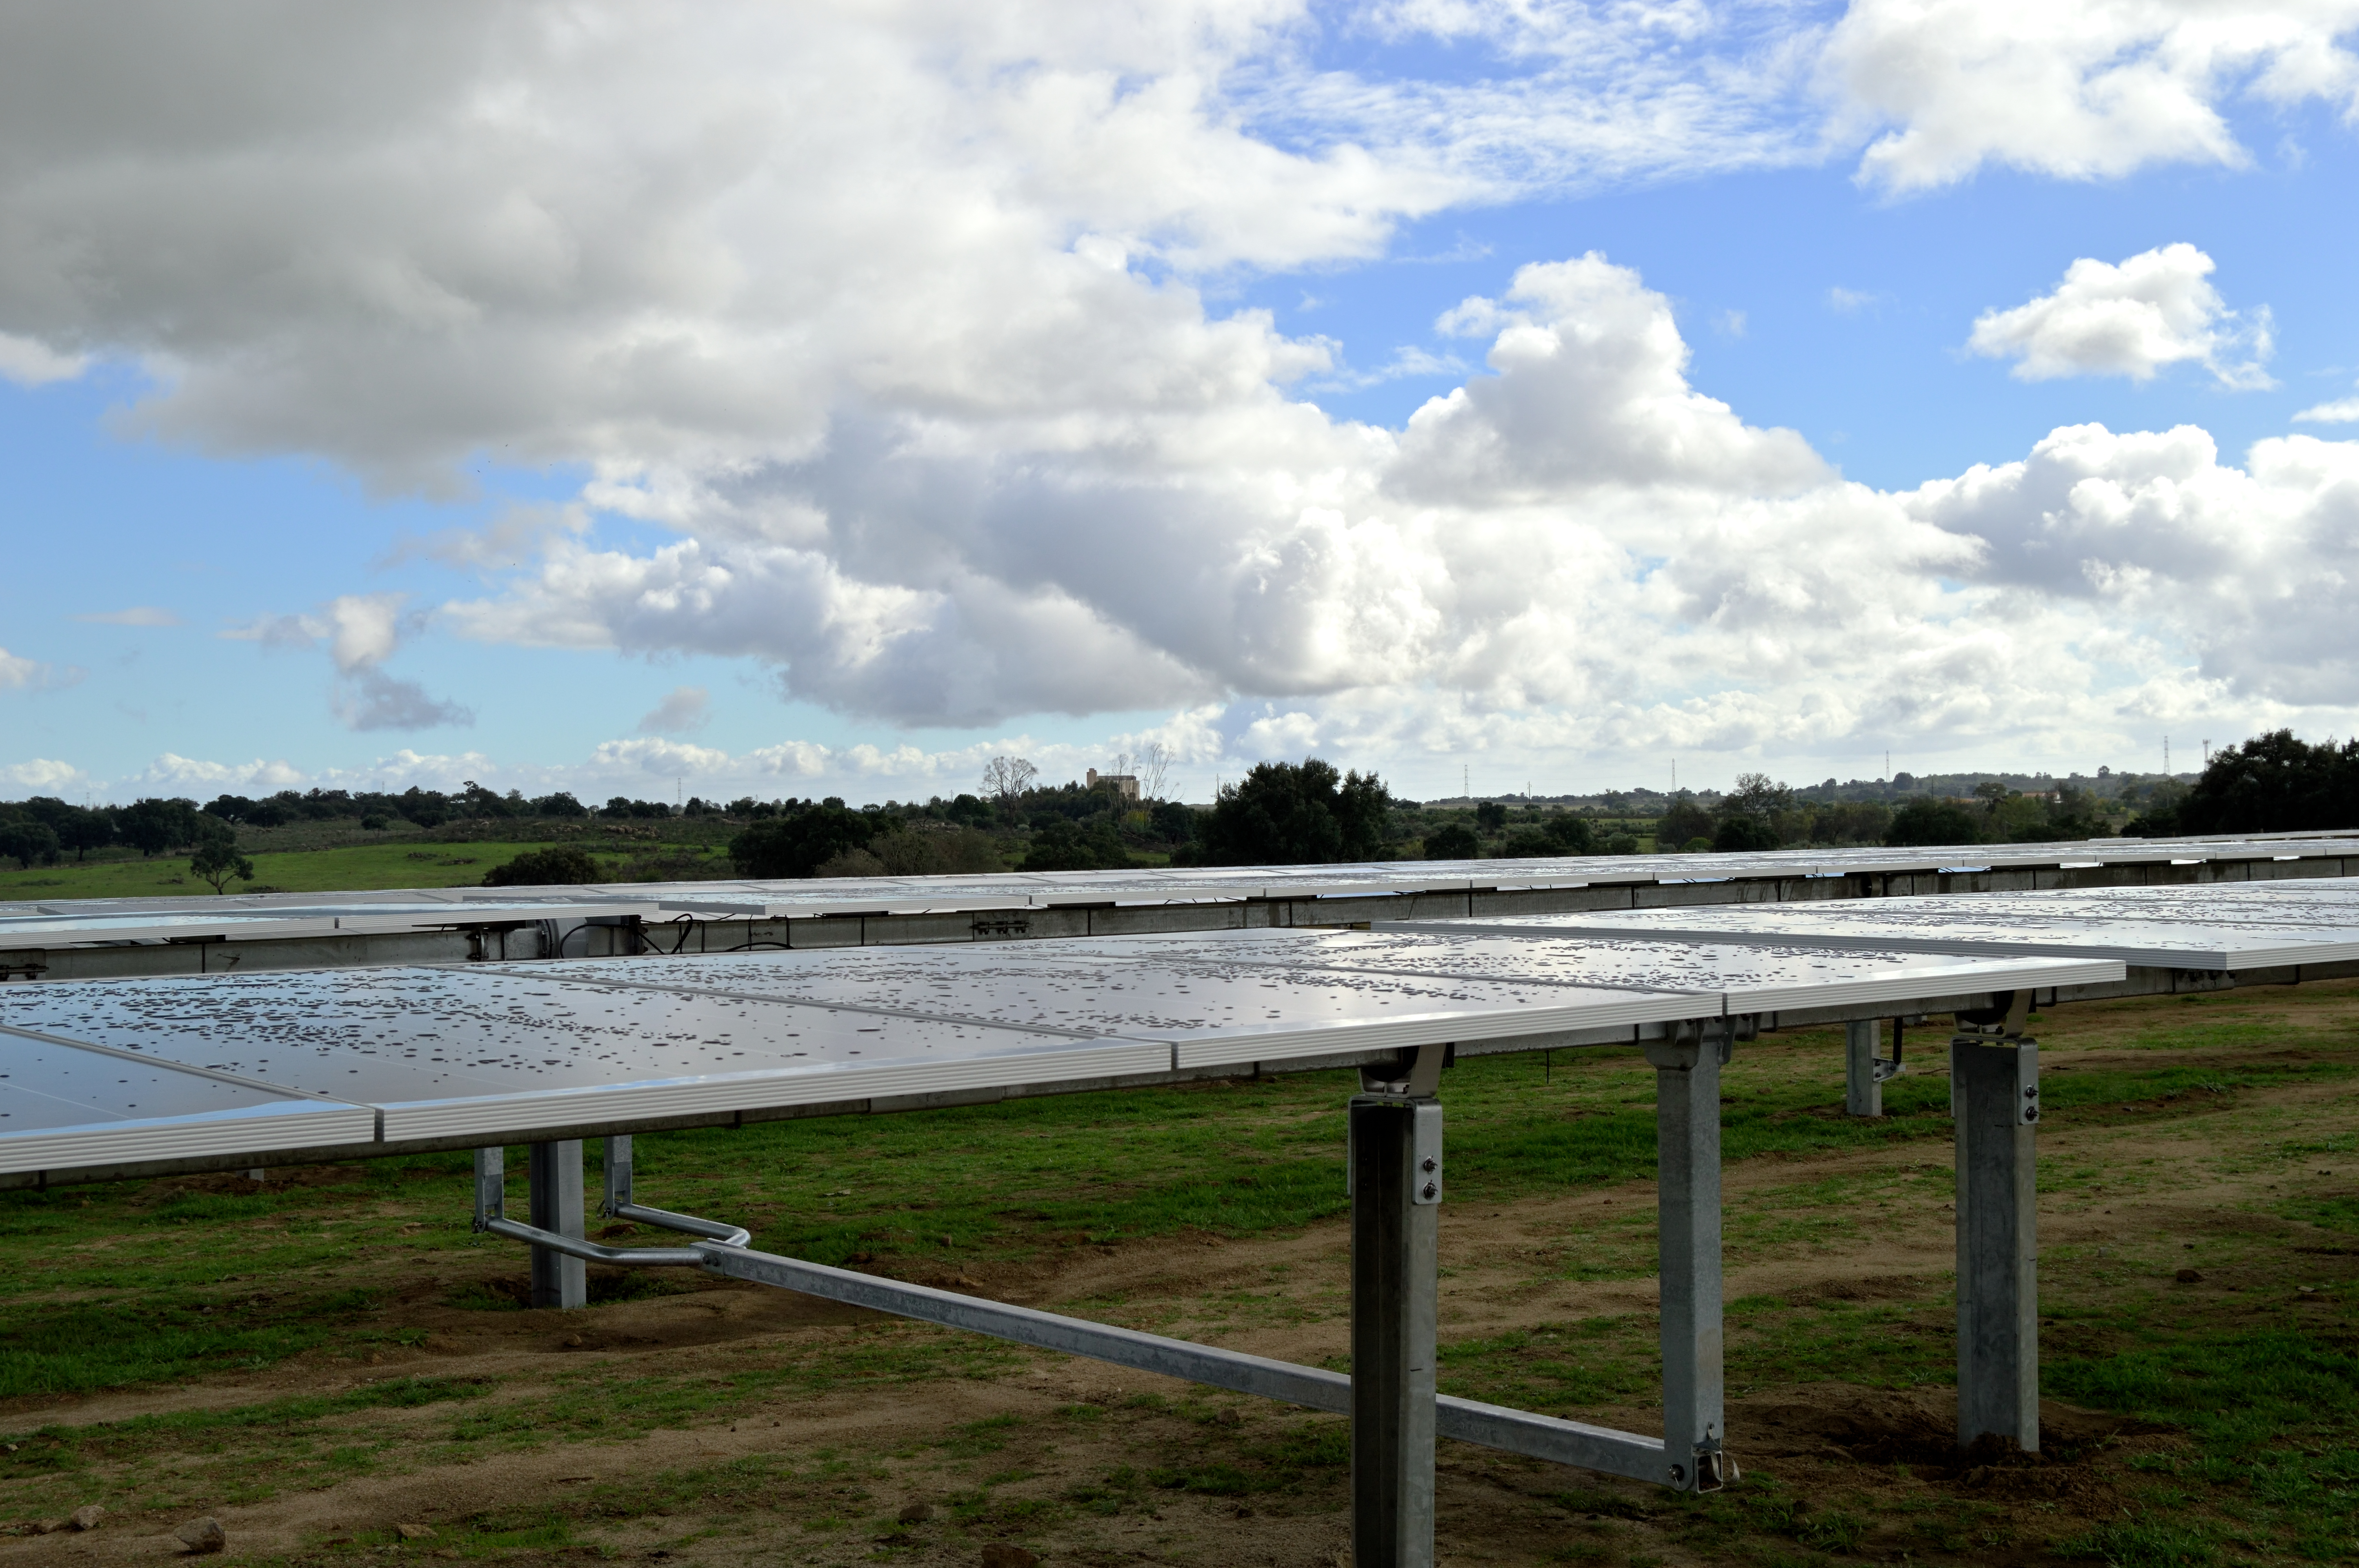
(823, 399)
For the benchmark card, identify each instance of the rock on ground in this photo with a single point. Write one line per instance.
(202, 1535)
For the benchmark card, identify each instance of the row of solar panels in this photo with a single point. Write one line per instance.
(105, 1074)
(34, 924)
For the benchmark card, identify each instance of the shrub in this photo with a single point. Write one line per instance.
(1925, 821)
(1451, 841)
(1742, 832)
(1062, 846)
(1571, 834)
(567, 864)
(797, 842)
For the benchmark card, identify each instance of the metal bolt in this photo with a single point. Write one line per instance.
(2031, 1093)
(2031, 1113)
(1431, 1189)
(1430, 1164)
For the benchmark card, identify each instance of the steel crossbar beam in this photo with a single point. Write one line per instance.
(1573, 1443)
(1469, 1421)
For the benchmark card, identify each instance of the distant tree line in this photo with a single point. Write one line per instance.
(2274, 783)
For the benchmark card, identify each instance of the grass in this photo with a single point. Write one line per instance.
(203, 1283)
(405, 865)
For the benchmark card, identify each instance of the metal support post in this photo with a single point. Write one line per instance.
(558, 1281)
(1396, 1177)
(1995, 1096)
(1864, 1071)
(616, 1168)
(1686, 1132)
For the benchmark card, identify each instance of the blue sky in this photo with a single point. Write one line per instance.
(680, 453)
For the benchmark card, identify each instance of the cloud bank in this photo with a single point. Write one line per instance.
(899, 332)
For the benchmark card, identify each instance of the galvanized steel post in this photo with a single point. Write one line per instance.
(1862, 1083)
(1396, 1174)
(1994, 1096)
(555, 1172)
(1686, 1132)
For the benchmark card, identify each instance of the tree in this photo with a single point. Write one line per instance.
(1757, 795)
(1755, 814)
(1527, 843)
(968, 811)
(217, 858)
(1452, 841)
(1170, 821)
(796, 843)
(568, 865)
(25, 842)
(152, 826)
(1925, 821)
(1491, 816)
(1007, 778)
(1281, 814)
(1684, 821)
(82, 830)
(561, 803)
(474, 800)
(1740, 832)
(428, 808)
(1062, 846)
(1569, 835)
(929, 849)
(2274, 783)
(1154, 766)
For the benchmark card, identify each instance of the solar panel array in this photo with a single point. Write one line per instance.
(496, 1053)
(2226, 926)
(35, 923)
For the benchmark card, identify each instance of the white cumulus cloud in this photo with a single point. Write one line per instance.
(361, 631)
(43, 775)
(683, 709)
(2341, 411)
(2075, 90)
(18, 673)
(28, 363)
(2154, 309)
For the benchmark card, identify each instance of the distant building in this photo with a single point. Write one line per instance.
(1124, 785)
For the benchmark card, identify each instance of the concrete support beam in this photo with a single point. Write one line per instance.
(555, 1172)
(1396, 1174)
(1687, 1131)
(1994, 1096)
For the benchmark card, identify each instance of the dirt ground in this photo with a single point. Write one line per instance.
(1837, 1263)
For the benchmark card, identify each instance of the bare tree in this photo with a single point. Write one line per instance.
(1007, 777)
(1154, 767)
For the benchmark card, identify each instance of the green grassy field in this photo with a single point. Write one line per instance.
(2234, 1402)
(348, 870)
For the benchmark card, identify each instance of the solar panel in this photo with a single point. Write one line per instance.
(496, 1053)
(446, 1052)
(2214, 927)
(261, 916)
(62, 1105)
